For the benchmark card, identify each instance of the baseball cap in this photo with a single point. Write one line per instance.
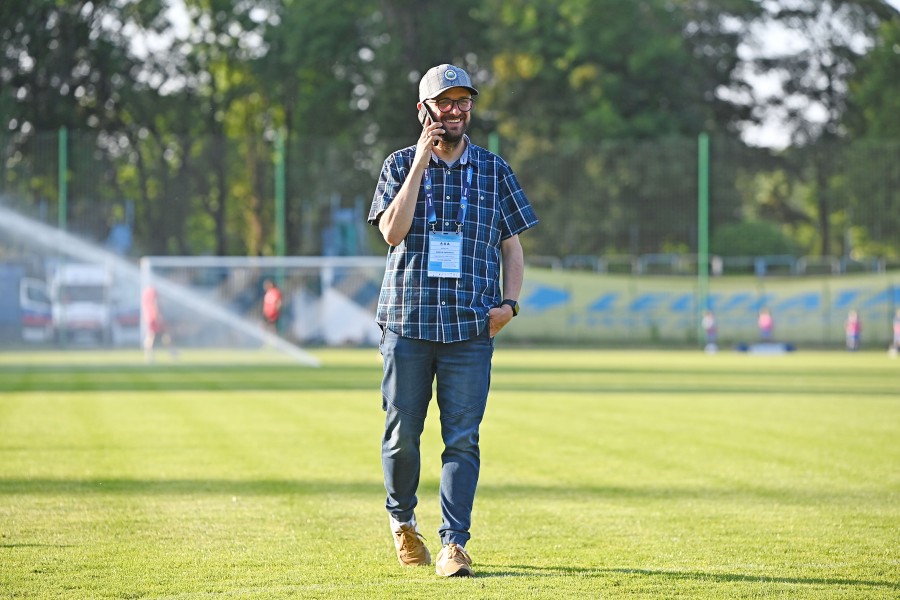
(443, 77)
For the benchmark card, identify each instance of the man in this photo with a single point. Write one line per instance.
(154, 324)
(271, 305)
(708, 322)
(451, 213)
(766, 324)
(895, 342)
(853, 330)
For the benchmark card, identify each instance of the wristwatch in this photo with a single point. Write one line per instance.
(513, 304)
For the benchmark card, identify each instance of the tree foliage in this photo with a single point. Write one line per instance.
(751, 238)
(814, 76)
(595, 100)
(874, 93)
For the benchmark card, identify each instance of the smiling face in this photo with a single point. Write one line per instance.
(454, 121)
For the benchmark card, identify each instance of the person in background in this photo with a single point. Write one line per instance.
(451, 213)
(708, 322)
(271, 307)
(895, 343)
(766, 324)
(154, 324)
(852, 330)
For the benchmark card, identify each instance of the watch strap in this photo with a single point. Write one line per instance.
(512, 304)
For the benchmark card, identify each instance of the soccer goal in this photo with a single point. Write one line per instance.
(218, 302)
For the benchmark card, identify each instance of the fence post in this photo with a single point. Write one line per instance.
(63, 179)
(280, 228)
(494, 142)
(279, 194)
(702, 229)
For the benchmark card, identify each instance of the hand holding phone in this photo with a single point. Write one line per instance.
(426, 119)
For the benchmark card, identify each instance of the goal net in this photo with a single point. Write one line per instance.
(217, 302)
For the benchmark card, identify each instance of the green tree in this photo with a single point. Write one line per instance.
(874, 93)
(873, 120)
(317, 83)
(814, 74)
(68, 63)
(567, 71)
(751, 238)
(597, 103)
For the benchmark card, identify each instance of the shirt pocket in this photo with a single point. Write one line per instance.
(484, 206)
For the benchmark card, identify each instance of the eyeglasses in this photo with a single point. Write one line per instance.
(463, 104)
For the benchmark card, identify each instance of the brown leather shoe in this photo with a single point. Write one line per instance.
(454, 561)
(411, 549)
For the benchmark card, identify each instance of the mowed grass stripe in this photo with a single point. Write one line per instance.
(750, 440)
(822, 373)
(701, 490)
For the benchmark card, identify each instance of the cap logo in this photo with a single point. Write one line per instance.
(450, 75)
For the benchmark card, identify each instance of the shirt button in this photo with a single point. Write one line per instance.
(443, 303)
(448, 197)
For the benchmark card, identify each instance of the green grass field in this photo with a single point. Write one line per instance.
(605, 474)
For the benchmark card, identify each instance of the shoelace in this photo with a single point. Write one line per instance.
(409, 537)
(455, 553)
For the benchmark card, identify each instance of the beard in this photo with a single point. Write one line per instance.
(456, 137)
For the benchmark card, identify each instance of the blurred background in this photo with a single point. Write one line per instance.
(756, 142)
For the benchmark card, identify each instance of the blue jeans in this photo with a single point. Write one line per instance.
(463, 373)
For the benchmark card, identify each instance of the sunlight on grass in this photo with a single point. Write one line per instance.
(622, 474)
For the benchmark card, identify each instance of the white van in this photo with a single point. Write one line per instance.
(37, 313)
(80, 297)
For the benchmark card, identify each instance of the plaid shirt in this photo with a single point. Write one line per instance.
(411, 303)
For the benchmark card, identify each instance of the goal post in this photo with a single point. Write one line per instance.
(217, 301)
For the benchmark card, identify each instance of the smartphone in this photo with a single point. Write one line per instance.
(424, 116)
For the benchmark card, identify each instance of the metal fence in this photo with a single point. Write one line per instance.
(174, 195)
(615, 214)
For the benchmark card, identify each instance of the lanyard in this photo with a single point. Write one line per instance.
(463, 201)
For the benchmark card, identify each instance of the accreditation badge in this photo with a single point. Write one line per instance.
(445, 254)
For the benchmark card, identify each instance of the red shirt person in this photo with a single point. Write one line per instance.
(150, 311)
(154, 325)
(272, 302)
